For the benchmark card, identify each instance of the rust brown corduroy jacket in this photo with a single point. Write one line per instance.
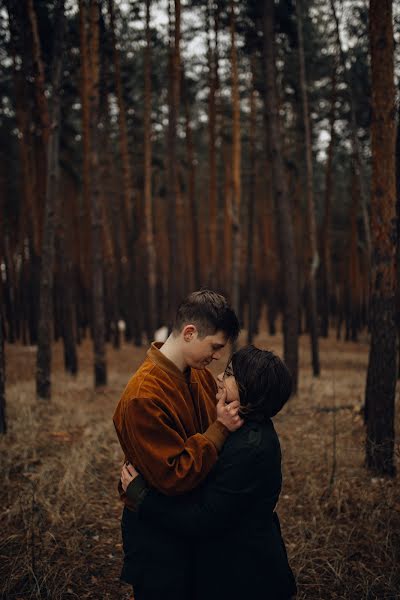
(166, 424)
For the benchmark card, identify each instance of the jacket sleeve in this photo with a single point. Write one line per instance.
(169, 463)
(217, 504)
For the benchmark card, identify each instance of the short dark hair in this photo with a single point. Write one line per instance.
(210, 312)
(264, 382)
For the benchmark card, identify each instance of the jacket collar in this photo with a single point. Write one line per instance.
(167, 365)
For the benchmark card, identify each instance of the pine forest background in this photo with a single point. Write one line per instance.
(151, 148)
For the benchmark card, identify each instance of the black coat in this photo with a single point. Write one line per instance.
(228, 524)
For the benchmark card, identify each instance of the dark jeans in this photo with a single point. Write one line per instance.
(158, 566)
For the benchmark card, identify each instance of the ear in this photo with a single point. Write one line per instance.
(189, 332)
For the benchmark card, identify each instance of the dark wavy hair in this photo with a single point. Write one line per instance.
(210, 312)
(264, 382)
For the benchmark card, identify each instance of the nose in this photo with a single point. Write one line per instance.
(216, 355)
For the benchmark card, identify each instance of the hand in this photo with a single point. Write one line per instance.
(227, 414)
(128, 474)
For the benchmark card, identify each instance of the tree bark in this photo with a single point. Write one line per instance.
(29, 218)
(192, 204)
(398, 237)
(176, 226)
(313, 258)
(326, 263)
(84, 229)
(45, 328)
(353, 284)
(98, 325)
(127, 178)
(228, 214)
(148, 197)
(251, 280)
(66, 275)
(381, 378)
(212, 156)
(43, 114)
(3, 420)
(356, 150)
(286, 237)
(236, 159)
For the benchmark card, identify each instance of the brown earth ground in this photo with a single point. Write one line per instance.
(59, 532)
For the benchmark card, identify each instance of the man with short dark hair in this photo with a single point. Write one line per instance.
(171, 429)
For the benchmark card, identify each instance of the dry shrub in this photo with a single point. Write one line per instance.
(60, 535)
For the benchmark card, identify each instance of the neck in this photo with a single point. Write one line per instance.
(171, 350)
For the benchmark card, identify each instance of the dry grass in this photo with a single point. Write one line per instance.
(59, 508)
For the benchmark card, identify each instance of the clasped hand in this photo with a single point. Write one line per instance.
(128, 474)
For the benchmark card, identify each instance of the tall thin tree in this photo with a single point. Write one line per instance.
(176, 255)
(251, 274)
(355, 143)
(191, 194)
(236, 163)
(98, 325)
(313, 257)
(285, 225)
(45, 329)
(326, 244)
(212, 157)
(84, 89)
(381, 378)
(3, 420)
(148, 199)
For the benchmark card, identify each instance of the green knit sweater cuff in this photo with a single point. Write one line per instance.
(136, 491)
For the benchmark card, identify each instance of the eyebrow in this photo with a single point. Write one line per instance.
(218, 345)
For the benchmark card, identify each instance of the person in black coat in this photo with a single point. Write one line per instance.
(228, 525)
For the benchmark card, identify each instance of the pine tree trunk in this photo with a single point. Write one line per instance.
(313, 258)
(10, 296)
(148, 196)
(128, 227)
(356, 151)
(68, 326)
(326, 266)
(28, 222)
(236, 159)
(192, 205)
(45, 328)
(111, 217)
(176, 226)
(286, 237)
(212, 156)
(251, 283)
(98, 325)
(128, 188)
(84, 229)
(381, 378)
(228, 216)
(398, 237)
(3, 420)
(42, 142)
(353, 281)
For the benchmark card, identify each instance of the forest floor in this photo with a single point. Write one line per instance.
(60, 461)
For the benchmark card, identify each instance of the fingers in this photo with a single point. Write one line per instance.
(127, 471)
(234, 405)
(130, 469)
(221, 396)
(228, 414)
